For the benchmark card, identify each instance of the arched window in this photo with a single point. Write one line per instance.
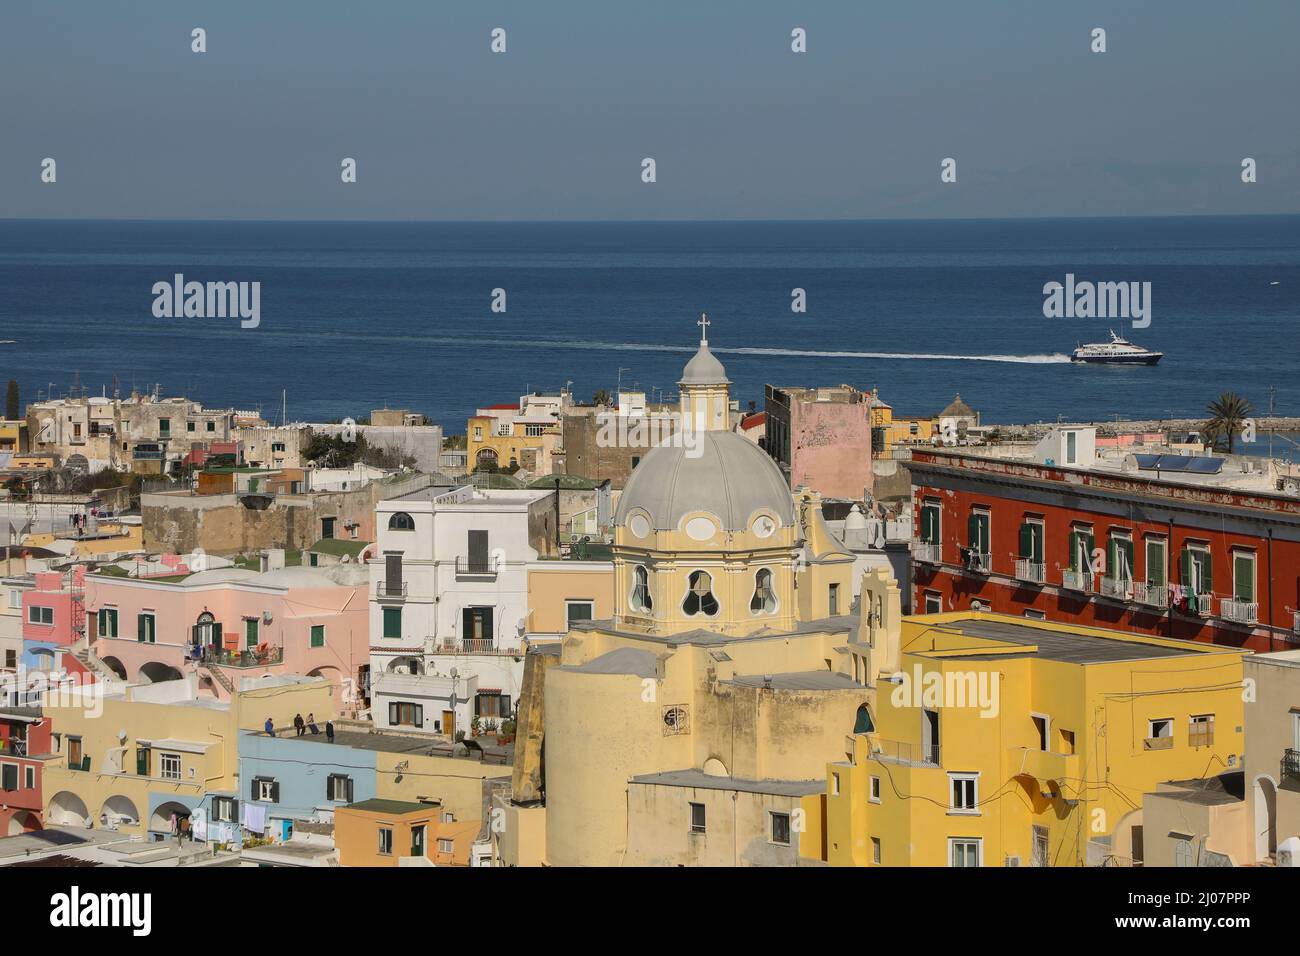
(699, 595)
(401, 521)
(641, 600)
(863, 724)
(764, 599)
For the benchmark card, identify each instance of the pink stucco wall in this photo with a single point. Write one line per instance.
(830, 448)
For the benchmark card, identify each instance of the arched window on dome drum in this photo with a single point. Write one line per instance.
(641, 600)
(699, 595)
(401, 521)
(764, 599)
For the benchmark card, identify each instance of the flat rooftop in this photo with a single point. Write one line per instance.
(378, 805)
(1072, 647)
(844, 623)
(398, 743)
(799, 680)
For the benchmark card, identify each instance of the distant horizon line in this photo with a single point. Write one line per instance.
(646, 222)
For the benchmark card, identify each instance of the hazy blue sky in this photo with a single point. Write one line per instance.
(556, 127)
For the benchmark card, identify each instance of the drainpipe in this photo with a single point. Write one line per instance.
(1169, 570)
(557, 516)
(1270, 589)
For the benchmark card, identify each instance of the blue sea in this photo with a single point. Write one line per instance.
(356, 316)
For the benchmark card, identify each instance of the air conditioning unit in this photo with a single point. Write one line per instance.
(266, 617)
(1013, 861)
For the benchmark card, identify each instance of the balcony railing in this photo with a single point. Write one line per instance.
(393, 589)
(250, 657)
(13, 747)
(1033, 571)
(1202, 604)
(1119, 588)
(1077, 581)
(927, 553)
(1240, 612)
(979, 563)
(1151, 595)
(480, 566)
(474, 646)
(1291, 765)
(901, 751)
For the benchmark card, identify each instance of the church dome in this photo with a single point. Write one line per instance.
(724, 474)
(704, 369)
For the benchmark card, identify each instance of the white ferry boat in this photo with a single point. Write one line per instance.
(1117, 351)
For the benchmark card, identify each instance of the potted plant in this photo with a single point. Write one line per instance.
(507, 732)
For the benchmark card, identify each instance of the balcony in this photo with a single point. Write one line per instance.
(1042, 765)
(1200, 738)
(1150, 595)
(905, 752)
(250, 657)
(1158, 743)
(1120, 589)
(476, 567)
(1077, 581)
(1035, 572)
(13, 747)
(1291, 766)
(396, 590)
(1201, 605)
(977, 563)
(927, 553)
(476, 646)
(1239, 612)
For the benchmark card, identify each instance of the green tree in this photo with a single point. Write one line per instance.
(1228, 413)
(600, 398)
(13, 408)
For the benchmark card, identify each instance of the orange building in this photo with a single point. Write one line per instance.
(379, 832)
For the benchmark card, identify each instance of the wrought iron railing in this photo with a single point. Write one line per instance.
(1077, 581)
(1152, 595)
(249, 657)
(1291, 765)
(475, 566)
(927, 553)
(1241, 612)
(1120, 588)
(1033, 571)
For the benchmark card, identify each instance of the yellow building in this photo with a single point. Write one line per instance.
(130, 759)
(998, 741)
(889, 430)
(509, 443)
(13, 434)
(113, 537)
(719, 680)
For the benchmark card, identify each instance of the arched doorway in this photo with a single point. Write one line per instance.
(486, 460)
(115, 665)
(160, 820)
(68, 810)
(23, 821)
(1265, 818)
(404, 665)
(118, 812)
(155, 672)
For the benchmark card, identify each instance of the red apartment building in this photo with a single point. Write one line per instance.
(1205, 550)
(24, 747)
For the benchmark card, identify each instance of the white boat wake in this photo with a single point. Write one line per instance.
(1050, 359)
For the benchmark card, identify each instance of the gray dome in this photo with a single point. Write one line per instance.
(729, 477)
(704, 369)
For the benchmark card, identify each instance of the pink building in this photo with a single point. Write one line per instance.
(54, 620)
(227, 624)
(821, 438)
(24, 748)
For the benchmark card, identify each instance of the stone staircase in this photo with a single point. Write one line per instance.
(219, 676)
(82, 652)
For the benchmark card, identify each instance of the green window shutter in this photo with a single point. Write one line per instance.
(142, 762)
(1243, 583)
(216, 634)
(1074, 550)
(1185, 567)
(1027, 541)
(1155, 564)
(318, 635)
(1208, 576)
(973, 531)
(392, 622)
(1089, 545)
(1112, 557)
(140, 628)
(250, 632)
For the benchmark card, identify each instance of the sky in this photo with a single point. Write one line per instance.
(557, 126)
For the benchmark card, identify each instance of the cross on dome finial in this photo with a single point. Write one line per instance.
(704, 324)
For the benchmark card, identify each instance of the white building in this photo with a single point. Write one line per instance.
(449, 604)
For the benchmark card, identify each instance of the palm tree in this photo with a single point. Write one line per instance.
(1228, 413)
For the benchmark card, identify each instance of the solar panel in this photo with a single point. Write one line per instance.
(1147, 461)
(1205, 466)
(1177, 463)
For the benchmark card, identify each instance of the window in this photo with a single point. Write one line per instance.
(165, 427)
(445, 845)
(1041, 847)
(212, 426)
(534, 431)
(392, 622)
(385, 841)
(1155, 570)
(1197, 570)
(977, 533)
(478, 432)
(189, 426)
(225, 809)
(964, 788)
(875, 850)
(338, 787)
(1071, 447)
(75, 756)
(1243, 576)
(764, 599)
(1035, 615)
(835, 784)
(933, 602)
(250, 632)
(964, 851)
(476, 624)
(11, 659)
(107, 622)
(697, 818)
(636, 460)
(402, 714)
(145, 630)
(15, 598)
(417, 840)
(29, 778)
(930, 512)
(1067, 741)
(143, 760)
(1160, 729)
(641, 600)
(277, 447)
(1119, 557)
(40, 615)
(171, 766)
(327, 527)
(491, 704)
(699, 595)
(1182, 851)
(317, 635)
(9, 776)
(780, 828)
(1042, 726)
(1031, 540)
(266, 790)
(401, 521)
(1081, 548)
(833, 600)
(577, 611)
(1201, 731)
(875, 790)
